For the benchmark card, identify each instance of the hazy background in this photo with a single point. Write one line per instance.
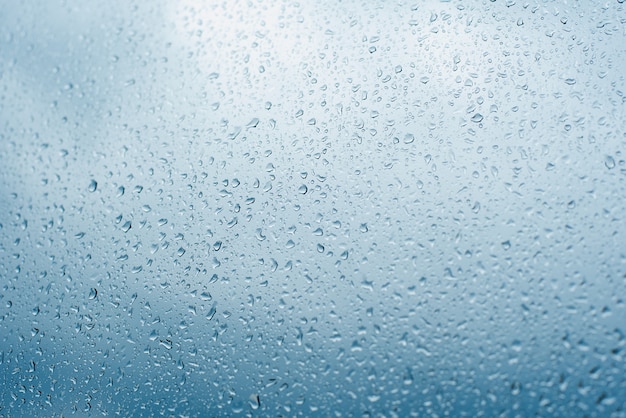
(336, 208)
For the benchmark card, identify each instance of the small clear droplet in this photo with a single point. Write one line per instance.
(255, 401)
(609, 162)
(93, 185)
(253, 123)
(477, 118)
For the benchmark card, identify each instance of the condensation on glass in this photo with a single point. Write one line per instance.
(278, 208)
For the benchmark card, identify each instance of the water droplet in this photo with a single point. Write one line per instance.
(253, 123)
(211, 313)
(302, 189)
(93, 293)
(93, 185)
(255, 401)
(609, 162)
(477, 118)
(408, 377)
(167, 344)
(409, 138)
(126, 227)
(516, 388)
(570, 81)
(506, 245)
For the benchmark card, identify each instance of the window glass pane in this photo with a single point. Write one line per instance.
(281, 208)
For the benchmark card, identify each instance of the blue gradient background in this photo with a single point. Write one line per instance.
(337, 208)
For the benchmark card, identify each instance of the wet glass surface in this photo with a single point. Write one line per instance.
(278, 208)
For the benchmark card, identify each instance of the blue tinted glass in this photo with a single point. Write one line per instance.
(281, 208)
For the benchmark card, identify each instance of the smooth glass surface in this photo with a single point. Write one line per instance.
(281, 208)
